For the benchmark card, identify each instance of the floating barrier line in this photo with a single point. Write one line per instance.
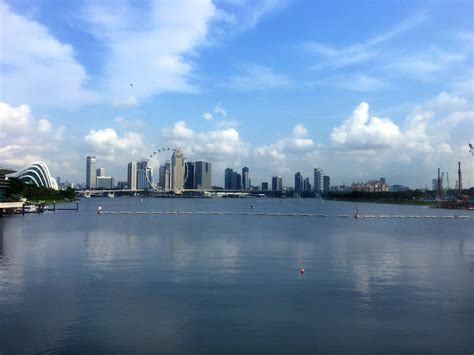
(275, 214)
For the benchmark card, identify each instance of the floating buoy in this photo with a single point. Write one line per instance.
(99, 210)
(302, 271)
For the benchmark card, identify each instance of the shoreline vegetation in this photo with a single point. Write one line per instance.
(34, 194)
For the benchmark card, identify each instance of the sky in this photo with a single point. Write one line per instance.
(362, 89)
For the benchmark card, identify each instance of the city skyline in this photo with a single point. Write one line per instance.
(391, 99)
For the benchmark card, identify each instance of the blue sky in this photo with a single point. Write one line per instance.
(363, 89)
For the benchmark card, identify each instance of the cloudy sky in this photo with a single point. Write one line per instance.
(363, 89)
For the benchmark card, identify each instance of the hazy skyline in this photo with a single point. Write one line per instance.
(362, 89)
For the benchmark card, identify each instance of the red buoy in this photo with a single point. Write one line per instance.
(302, 270)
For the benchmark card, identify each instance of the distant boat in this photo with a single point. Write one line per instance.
(356, 214)
(31, 209)
(110, 195)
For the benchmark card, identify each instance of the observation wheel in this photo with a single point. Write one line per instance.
(155, 161)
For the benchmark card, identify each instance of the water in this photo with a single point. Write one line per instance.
(77, 282)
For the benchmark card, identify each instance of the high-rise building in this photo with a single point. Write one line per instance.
(277, 183)
(100, 172)
(318, 180)
(298, 181)
(326, 184)
(233, 184)
(177, 169)
(203, 175)
(434, 185)
(306, 185)
(132, 175)
(245, 178)
(228, 179)
(142, 181)
(90, 172)
(239, 182)
(105, 182)
(164, 178)
(190, 174)
(264, 186)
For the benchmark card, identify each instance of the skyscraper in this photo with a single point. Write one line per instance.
(326, 184)
(191, 173)
(164, 179)
(318, 180)
(132, 175)
(100, 172)
(228, 179)
(203, 175)
(90, 172)
(233, 185)
(277, 183)
(245, 178)
(142, 182)
(177, 169)
(306, 185)
(264, 186)
(298, 181)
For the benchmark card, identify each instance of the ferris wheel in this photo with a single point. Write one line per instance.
(153, 163)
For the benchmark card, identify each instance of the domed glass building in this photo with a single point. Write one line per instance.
(37, 173)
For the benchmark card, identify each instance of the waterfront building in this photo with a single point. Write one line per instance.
(277, 183)
(434, 184)
(318, 183)
(306, 185)
(264, 186)
(38, 174)
(190, 174)
(233, 184)
(177, 169)
(164, 178)
(132, 175)
(326, 183)
(105, 182)
(228, 179)
(90, 172)
(142, 181)
(203, 175)
(239, 182)
(298, 182)
(245, 178)
(100, 172)
(122, 185)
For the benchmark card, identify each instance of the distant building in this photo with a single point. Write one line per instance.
(245, 178)
(164, 178)
(306, 185)
(434, 185)
(233, 184)
(264, 186)
(203, 175)
(326, 184)
(399, 188)
(142, 178)
(132, 175)
(318, 183)
(298, 182)
(90, 172)
(190, 173)
(228, 179)
(100, 172)
(277, 183)
(177, 169)
(239, 182)
(105, 182)
(122, 185)
(370, 186)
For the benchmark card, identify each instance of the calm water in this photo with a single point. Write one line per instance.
(77, 282)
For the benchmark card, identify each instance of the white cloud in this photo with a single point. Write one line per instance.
(108, 145)
(37, 68)
(257, 77)
(129, 123)
(149, 46)
(24, 138)
(218, 110)
(207, 116)
(129, 101)
(363, 132)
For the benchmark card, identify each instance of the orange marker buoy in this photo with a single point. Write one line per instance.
(302, 270)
